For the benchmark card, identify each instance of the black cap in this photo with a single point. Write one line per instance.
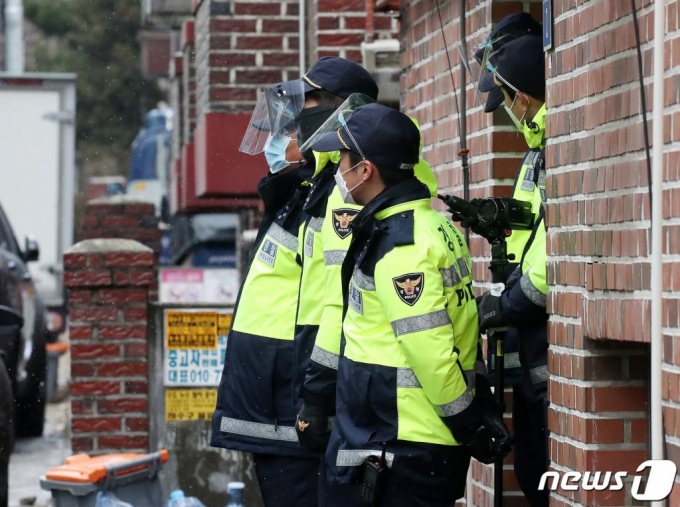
(384, 136)
(521, 63)
(340, 77)
(511, 27)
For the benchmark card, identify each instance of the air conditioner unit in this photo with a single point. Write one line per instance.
(382, 59)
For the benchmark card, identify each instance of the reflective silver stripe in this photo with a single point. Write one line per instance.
(316, 223)
(325, 358)
(450, 276)
(362, 281)
(511, 360)
(421, 322)
(258, 430)
(334, 257)
(283, 237)
(463, 268)
(406, 377)
(356, 458)
(457, 405)
(530, 291)
(480, 368)
(539, 374)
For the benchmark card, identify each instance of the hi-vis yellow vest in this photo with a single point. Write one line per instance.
(529, 187)
(417, 316)
(272, 282)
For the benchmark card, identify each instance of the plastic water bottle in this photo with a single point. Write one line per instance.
(235, 490)
(177, 499)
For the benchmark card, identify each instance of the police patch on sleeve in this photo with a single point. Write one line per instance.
(355, 300)
(409, 287)
(268, 252)
(342, 219)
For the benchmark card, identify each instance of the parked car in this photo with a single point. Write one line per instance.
(23, 349)
(10, 325)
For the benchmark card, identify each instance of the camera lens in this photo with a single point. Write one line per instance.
(488, 211)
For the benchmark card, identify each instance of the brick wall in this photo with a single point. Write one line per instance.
(598, 213)
(339, 27)
(108, 282)
(241, 46)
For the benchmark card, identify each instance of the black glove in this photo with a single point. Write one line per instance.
(482, 446)
(312, 428)
(489, 312)
(469, 429)
(491, 415)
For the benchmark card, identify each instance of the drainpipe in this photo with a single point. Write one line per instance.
(303, 38)
(656, 414)
(370, 9)
(14, 36)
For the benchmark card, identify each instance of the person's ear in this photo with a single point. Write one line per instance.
(523, 100)
(368, 170)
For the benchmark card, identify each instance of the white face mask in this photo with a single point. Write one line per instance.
(346, 192)
(513, 118)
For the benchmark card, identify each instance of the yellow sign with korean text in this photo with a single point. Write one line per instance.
(190, 404)
(191, 330)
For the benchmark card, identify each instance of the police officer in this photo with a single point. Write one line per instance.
(519, 68)
(326, 86)
(528, 185)
(407, 418)
(257, 401)
(325, 237)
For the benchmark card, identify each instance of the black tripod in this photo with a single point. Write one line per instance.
(498, 268)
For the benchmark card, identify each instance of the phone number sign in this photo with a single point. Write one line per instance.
(195, 344)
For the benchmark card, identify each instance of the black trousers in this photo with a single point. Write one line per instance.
(287, 481)
(530, 424)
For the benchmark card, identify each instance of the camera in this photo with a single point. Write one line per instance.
(493, 218)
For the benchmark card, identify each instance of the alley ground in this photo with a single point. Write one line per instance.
(33, 457)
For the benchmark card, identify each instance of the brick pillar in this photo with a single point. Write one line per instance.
(108, 282)
(127, 218)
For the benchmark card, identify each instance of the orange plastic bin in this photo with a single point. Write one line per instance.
(131, 477)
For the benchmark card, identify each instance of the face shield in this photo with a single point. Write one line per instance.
(477, 64)
(338, 120)
(274, 114)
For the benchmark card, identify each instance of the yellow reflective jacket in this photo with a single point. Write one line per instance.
(530, 185)
(410, 341)
(324, 241)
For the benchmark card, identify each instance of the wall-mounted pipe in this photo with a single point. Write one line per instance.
(302, 35)
(656, 414)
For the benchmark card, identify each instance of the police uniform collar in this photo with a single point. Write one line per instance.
(405, 206)
(316, 200)
(407, 191)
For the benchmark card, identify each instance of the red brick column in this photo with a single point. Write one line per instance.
(108, 282)
(124, 217)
